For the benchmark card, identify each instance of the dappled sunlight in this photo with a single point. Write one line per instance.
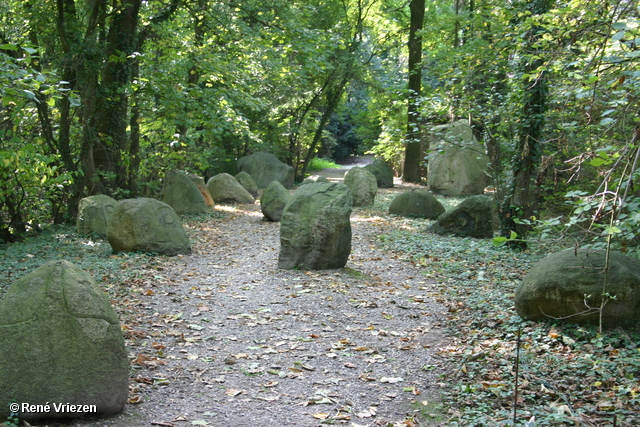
(237, 209)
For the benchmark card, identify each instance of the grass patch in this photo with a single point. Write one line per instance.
(317, 164)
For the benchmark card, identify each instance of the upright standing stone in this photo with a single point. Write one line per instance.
(94, 213)
(273, 201)
(315, 231)
(458, 163)
(147, 225)
(363, 186)
(181, 193)
(61, 343)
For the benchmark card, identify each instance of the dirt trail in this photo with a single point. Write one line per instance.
(224, 338)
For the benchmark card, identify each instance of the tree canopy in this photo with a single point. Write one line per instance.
(106, 96)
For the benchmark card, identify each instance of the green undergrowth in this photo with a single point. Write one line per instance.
(569, 375)
(318, 164)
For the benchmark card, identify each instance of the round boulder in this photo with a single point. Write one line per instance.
(94, 213)
(181, 193)
(569, 285)
(383, 173)
(473, 217)
(315, 231)
(273, 201)
(224, 188)
(147, 225)
(266, 167)
(363, 186)
(417, 204)
(61, 343)
(248, 183)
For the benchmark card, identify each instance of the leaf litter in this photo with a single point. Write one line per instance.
(224, 332)
(417, 330)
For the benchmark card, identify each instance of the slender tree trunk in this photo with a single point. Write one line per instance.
(411, 168)
(519, 203)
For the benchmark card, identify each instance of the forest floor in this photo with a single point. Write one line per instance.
(416, 330)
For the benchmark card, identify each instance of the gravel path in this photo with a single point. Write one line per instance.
(222, 337)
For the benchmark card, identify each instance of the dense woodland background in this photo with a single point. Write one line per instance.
(105, 96)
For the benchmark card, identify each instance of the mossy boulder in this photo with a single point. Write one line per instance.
(383, 173)
(181, 193)
(224, 188)
(147, 225)
(315, 229)
(363, 186)
(569, 286)
(265, 168)
(416, 204)
(94, 213)
(248, 183)
(473, 217)
(202, 187)
(273, 201)
(61, 342)
(458, 163)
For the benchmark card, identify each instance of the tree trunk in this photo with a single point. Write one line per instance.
(111, 142)
(411, 168)
(518, 207)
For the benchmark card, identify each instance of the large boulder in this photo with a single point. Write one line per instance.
(147, 225)
(273, 201)
(315, 231)
(473, 217)
(559, 285)
(224, 188)
(383, 173)
(61, 343)
(458, 164)
(94, 213)
(363, 186)
(248, 183)
(417, 204)
(202, 187)
(181, 193)
(265, 168)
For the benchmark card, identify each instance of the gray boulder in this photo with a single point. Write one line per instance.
(265, 168)
(473, 217)
(248, 183)
(416, 203)
(94, 213)
(315, 231)
(273, 201)
(61, 342)
(383, 173)
(202, 187)
(224, 188)
(314, 180)
(147, 225)
(558, 286)
(363, 186)
(181, 193)
(458, 164)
